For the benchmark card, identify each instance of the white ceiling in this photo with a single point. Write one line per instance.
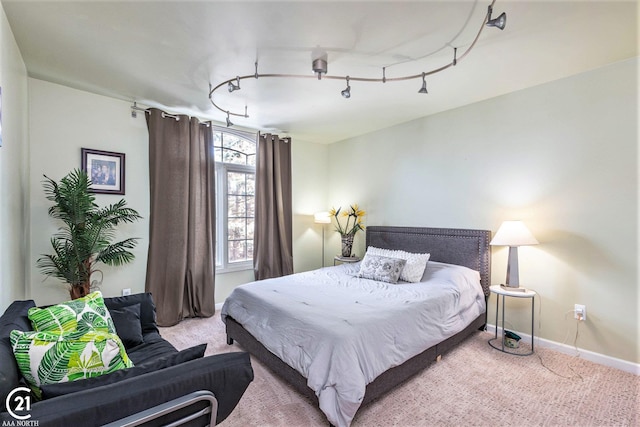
(165, 54)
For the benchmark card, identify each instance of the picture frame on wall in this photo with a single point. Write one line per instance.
(105, 169)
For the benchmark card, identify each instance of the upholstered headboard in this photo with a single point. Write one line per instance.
(469, 248)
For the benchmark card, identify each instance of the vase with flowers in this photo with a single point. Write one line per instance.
(348, 228)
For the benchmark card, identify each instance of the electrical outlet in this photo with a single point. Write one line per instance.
(126, 291)
(580, 312)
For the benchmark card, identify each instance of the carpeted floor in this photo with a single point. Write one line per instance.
(472, 385)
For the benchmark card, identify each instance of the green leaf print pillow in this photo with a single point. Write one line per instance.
(49, 358)
(84, 313)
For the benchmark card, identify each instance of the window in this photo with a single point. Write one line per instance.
(235, 155)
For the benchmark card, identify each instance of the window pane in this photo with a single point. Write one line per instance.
(249, 228)
(217, 154)
(251, 160)
(239, 144)
(217, 139)
(237, 228)
(249, 249)
(237, 250)
(251, 203)
(251, 184)
(236, 183)
(237, 206)
(232, 156)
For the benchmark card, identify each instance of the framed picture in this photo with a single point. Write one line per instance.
(105, 170)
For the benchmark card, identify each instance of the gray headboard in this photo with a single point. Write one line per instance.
(469, 248)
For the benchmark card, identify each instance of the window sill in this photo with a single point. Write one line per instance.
(234, 268)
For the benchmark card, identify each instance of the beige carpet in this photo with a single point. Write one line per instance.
(472, 385)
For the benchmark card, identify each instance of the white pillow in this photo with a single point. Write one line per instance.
(413, 269)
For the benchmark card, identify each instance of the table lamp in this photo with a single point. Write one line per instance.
(322, 218)
(513, 234)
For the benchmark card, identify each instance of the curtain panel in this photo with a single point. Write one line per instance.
(273, 235)
(181, 259)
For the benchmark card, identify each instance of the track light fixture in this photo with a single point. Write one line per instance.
(236, 86)
(347, 92)
(498, 22)
(423, 89)
(319, 68)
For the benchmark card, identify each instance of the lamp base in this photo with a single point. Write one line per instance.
(513, 288)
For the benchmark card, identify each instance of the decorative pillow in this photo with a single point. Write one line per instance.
(192, 353)
(128, 326)
(381, 268)
(84, 313)
(47, 357)
(416, 263)
(147, 308)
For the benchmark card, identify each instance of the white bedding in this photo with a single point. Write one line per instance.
(340, 331)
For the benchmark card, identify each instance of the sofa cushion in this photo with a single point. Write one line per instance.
(53, 390)
(15, 317)
(128, 327)
(147, 309)
(88, 312)
(153, 347)
(48, 357)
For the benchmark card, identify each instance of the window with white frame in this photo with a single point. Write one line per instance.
(235, 156)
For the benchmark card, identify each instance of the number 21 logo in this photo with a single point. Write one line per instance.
(19, 403)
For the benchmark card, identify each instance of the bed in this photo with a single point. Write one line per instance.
(336, 362)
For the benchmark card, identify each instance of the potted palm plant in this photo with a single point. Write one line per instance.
(85, 238)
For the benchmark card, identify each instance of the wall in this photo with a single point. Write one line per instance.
(13, 168)
(562, 157)
(62, 121)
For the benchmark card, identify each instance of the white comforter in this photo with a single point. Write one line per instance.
(341, 332)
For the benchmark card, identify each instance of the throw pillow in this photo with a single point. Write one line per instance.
(416, 263)
(128, 326)
(48, 357)
(84, 313)
(380, 268)
(147, 308)
(53, 390)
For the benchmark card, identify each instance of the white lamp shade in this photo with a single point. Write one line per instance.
(322, 218)
(513, 233)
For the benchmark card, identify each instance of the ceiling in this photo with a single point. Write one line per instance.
(166, 53)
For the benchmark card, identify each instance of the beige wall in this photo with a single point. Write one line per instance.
(63, 120)
(14, 189)
(562, 157)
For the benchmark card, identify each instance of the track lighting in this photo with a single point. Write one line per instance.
(236, 86)
(423, 89)
(347, 92)
(498, 22)
(319, 66)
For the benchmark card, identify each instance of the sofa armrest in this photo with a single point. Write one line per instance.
(172, 406)
(226, 375)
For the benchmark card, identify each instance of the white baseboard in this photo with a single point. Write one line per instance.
(219, 306)
(591, 356)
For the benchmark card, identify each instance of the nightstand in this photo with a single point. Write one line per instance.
(345, 259)
(504, 292)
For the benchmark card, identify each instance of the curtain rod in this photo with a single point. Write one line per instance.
(135, 109)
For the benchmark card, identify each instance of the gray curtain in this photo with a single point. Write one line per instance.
(181, 259)
(273, 236)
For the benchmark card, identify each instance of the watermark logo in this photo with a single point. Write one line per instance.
(18, 404)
